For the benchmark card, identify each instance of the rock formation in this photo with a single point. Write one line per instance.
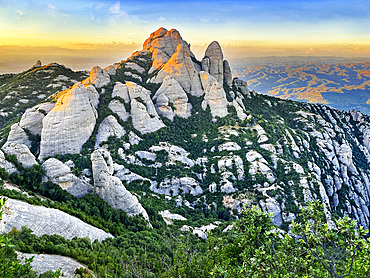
(18, 136)
(42, 263)
(143, 114)
(69, 124)
(22, 153)
(213, 61)
(171, 100)
(32, 118)
(241, 86)
(98, 77)
(109, 127)
(110, 188)
(181, 68)
(228, 77)
(59, 173)
(42, 220)
(215, 96)
(6, 165)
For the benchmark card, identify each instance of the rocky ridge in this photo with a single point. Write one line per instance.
(174, 124)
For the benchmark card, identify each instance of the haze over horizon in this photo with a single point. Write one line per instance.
(82, 33)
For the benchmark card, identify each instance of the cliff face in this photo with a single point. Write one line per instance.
(185, 129)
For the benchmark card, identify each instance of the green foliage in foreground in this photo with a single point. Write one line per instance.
(258, 249)
(253, 248)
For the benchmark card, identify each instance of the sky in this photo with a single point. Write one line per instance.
(81, 32)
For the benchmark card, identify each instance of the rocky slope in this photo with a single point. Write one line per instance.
(24, 90)
(164, 122)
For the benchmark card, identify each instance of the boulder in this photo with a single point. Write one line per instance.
(69, 124)
(172, 100)
(241, 86)
(111, 70)
(98, 77)
(61, 174)
(6, 165)
(109, 127)
(22, 152)
(121, 90)
(119, 108)
(143, 114)
(215, 96)
(110, 188)
(18, 136)
(213, 61)
(32, 118)
(42, 220)
(42, 263)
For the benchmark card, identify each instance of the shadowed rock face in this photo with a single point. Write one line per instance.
(69, 124)
(110, 188)
(171, 94)
(215, 96)
(213, 61)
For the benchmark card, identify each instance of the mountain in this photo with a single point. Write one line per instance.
(343, 85)
(24, 90)
(163, 138)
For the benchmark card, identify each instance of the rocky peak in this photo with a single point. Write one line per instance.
(38, 64)
(213, 61)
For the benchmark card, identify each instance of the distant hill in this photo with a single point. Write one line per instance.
(335, 82)
(24, 90)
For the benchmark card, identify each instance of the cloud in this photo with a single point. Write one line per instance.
(116, 9)
(161, 18)
(19, 12)
(52, 8)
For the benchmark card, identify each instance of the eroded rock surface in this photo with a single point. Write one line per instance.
(69, 124)
(110, 188)
(42, 220)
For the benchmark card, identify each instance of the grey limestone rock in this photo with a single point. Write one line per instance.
(98, 77)
(6, 165)
(32, 118)
(17, 135)
(42, 220)
(42, 263)
(110, 188)
(215, 96)
(228, 76)
(172, 100)
(144, 116)
(22, 152)
(213, 61)
(109, 127)
(119, 108)
(69, 124)
(61, 174)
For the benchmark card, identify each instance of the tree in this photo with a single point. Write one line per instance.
(342, 250)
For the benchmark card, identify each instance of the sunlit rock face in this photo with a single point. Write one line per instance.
(162, 44)
(172, 55)
(98, 77)
(69, 124)
(171, 100)
(213, 61)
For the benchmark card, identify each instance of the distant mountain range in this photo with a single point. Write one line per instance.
(338, 82)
